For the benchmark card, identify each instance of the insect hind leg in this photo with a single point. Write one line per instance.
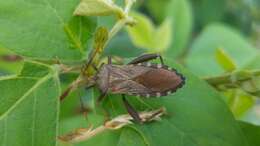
(109, 60)
(131, 110)
(101, 97)
(145, 58)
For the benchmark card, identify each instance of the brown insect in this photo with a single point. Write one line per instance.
(138, 78)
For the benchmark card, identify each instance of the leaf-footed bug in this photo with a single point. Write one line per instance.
(138, 78)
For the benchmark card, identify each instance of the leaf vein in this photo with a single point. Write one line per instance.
(34, 117)
(5, 132)
(75, 40)
(36, 85)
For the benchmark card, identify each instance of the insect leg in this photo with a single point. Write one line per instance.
(95, 67)
(82, 107)
(109, 60)
(131, 110)
(145, 58)
(102, 96)
(101, 66)
(66, 93)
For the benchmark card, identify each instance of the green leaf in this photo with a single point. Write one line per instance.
(155, 8)
(141, 34)
(130, 137)
(254, 63)
(193, 119)
(252, 133)
(121, 44)
(180, 14)
(163, 36)
(145, 35)
(29, 107)
(44, 29)
(200, 59)
(224, 60)
(239, 102)
(208, 11)
(97, 8)
(101, 37)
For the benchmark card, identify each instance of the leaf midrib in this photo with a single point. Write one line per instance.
(76, 41)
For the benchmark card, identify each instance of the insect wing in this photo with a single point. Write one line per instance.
(146, 80)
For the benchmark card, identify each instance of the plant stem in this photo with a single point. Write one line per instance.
(123, 21)
(231, 78)
(128, 6)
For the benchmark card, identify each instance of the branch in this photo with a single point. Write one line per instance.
(233, 78)
(114, 124)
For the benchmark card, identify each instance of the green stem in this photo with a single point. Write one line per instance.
(128, 6)
(125, 20)
(229, 78)
(117, 27)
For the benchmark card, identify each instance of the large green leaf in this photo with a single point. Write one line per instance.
(239, 101)
(97, 8)
(172, 36)
(121, 44)
(29, 107)
(254, 63)
(224, 60)
(252, 133)
(145, 35)
(197, 116)
(130, 137)
(201, 59)
(180, 13)
(155, 8)
(208, 11)
(44, 29)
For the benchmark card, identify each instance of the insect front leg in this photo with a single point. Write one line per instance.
(101, 96)
(131, 110)
(145, 58)
(94, 67)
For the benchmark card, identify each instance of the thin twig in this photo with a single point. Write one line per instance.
(84, 134)
(231, 78)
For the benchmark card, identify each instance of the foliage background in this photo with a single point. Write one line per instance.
(200, 38)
